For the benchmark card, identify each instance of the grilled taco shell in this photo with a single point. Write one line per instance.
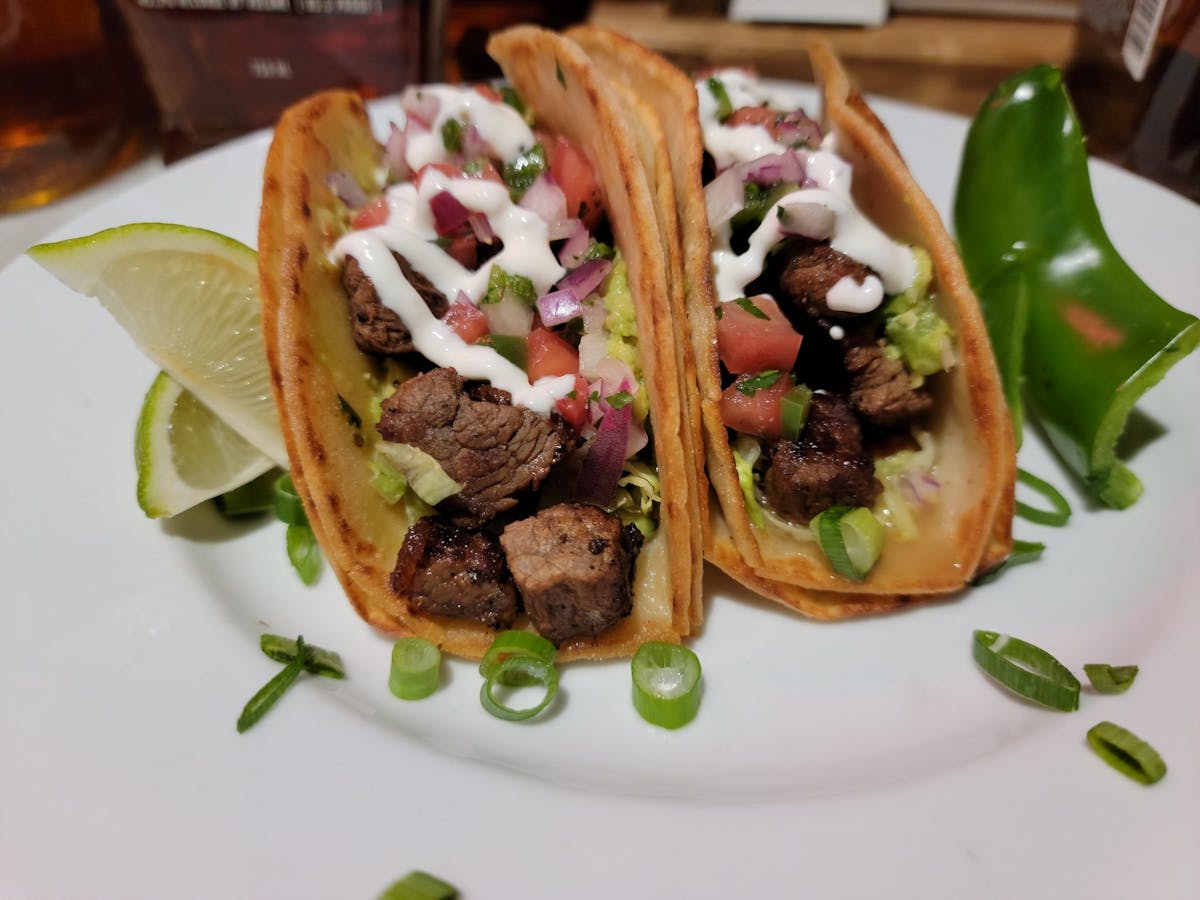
(969, 530)
(318, 371)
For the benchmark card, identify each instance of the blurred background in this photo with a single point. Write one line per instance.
(89, 86)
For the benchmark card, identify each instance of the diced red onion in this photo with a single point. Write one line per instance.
(806, 218)
(482, 228)
(796, 126)
(571, 253)
(347, 189)
(920, 488)
(394, 150)
(605, 460)
(593, 347)
(773, 168)
(583, 281)
(449, 214)
(421, 106)
(558, 307)
(724, 197)
(545, 198)
(473, 144)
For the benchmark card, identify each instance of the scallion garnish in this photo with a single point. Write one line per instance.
(268, 695)
(1026, 670)
(1108, 679)
(518, 671)
(416, 668)
(288, 507)
(760, 382)
(1022, 552)
(419, 885)
(1126, 752)
(793, 411)
(1056, 517)
(250, 499)
(851, 539)
(316, 660)
(304, 552)
(666, 684)
(515, 643)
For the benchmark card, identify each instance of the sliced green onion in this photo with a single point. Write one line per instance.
(251, 499)
(418, 885)
(519, 671)
(1110, 679)
(317, 660)
(1126, 752)
(416, 668)
(304, 553)
(288, 506)
(666, 684)
(1056, 517)
(620, 399)
(1026, 670)
(851, 539)
(793, 411)
(515, 643)
(268, 695)
(1022, 552)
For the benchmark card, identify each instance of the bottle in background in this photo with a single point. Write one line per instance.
(221, 68)
(1135, 82)
(72, 105)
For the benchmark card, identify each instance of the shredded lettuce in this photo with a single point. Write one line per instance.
(903, 475)
(746, 451)
(425, 475)
(639, 491)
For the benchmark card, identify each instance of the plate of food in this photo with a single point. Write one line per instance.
(848, 740)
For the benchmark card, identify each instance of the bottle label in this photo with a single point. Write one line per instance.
(1141, 36)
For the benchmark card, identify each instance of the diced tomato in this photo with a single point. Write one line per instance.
(445, 168)
(484, 89)
(550, 355)
(755, 413)
(575, 408)
(749, 343)
(752, 115)
(374, 213)
(573, 174)
(467, 320)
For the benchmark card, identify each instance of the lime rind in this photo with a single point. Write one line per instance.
(185, 454)
(189, 299)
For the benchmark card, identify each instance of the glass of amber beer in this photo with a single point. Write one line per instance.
(66, 114)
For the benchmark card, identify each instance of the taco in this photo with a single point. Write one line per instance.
(472, 357)
(856, 440)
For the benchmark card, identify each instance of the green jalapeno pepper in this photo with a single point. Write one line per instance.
(1075, 331)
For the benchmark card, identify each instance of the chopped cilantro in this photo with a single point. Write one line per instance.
(724, 105)
(512, 98)
(760, 382)
(599, 250)
(620, 399)
(558, 73)
(748, 305)
(719, 310)
(352, 417)
(452, 132)
(524, 170)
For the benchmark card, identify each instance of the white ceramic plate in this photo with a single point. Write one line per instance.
(863, 759)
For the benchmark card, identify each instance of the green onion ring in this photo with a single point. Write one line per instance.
(1026, 670)
(288, 507)
(1056, 517)
(851, 539)
(417, 885)
(268, 695)
(317, 660)
(416, 668)
(1126, 752)
(1108, 679)
(1022, 552)
(515, 643)
(666, 683)
(303, 552)
(524, 671)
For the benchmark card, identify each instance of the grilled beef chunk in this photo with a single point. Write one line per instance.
(573, 565)
(449, 571)
(377, 328)
(881, 389)
(826, 467)
(809, 269)
(494, 450)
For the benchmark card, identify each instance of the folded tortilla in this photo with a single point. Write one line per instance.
(968, 529)
(318, 372)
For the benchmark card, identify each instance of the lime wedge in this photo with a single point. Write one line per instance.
(189, 299)
(185, 454)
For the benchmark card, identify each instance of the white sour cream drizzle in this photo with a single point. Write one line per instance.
(410, 232)
(852, 234)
